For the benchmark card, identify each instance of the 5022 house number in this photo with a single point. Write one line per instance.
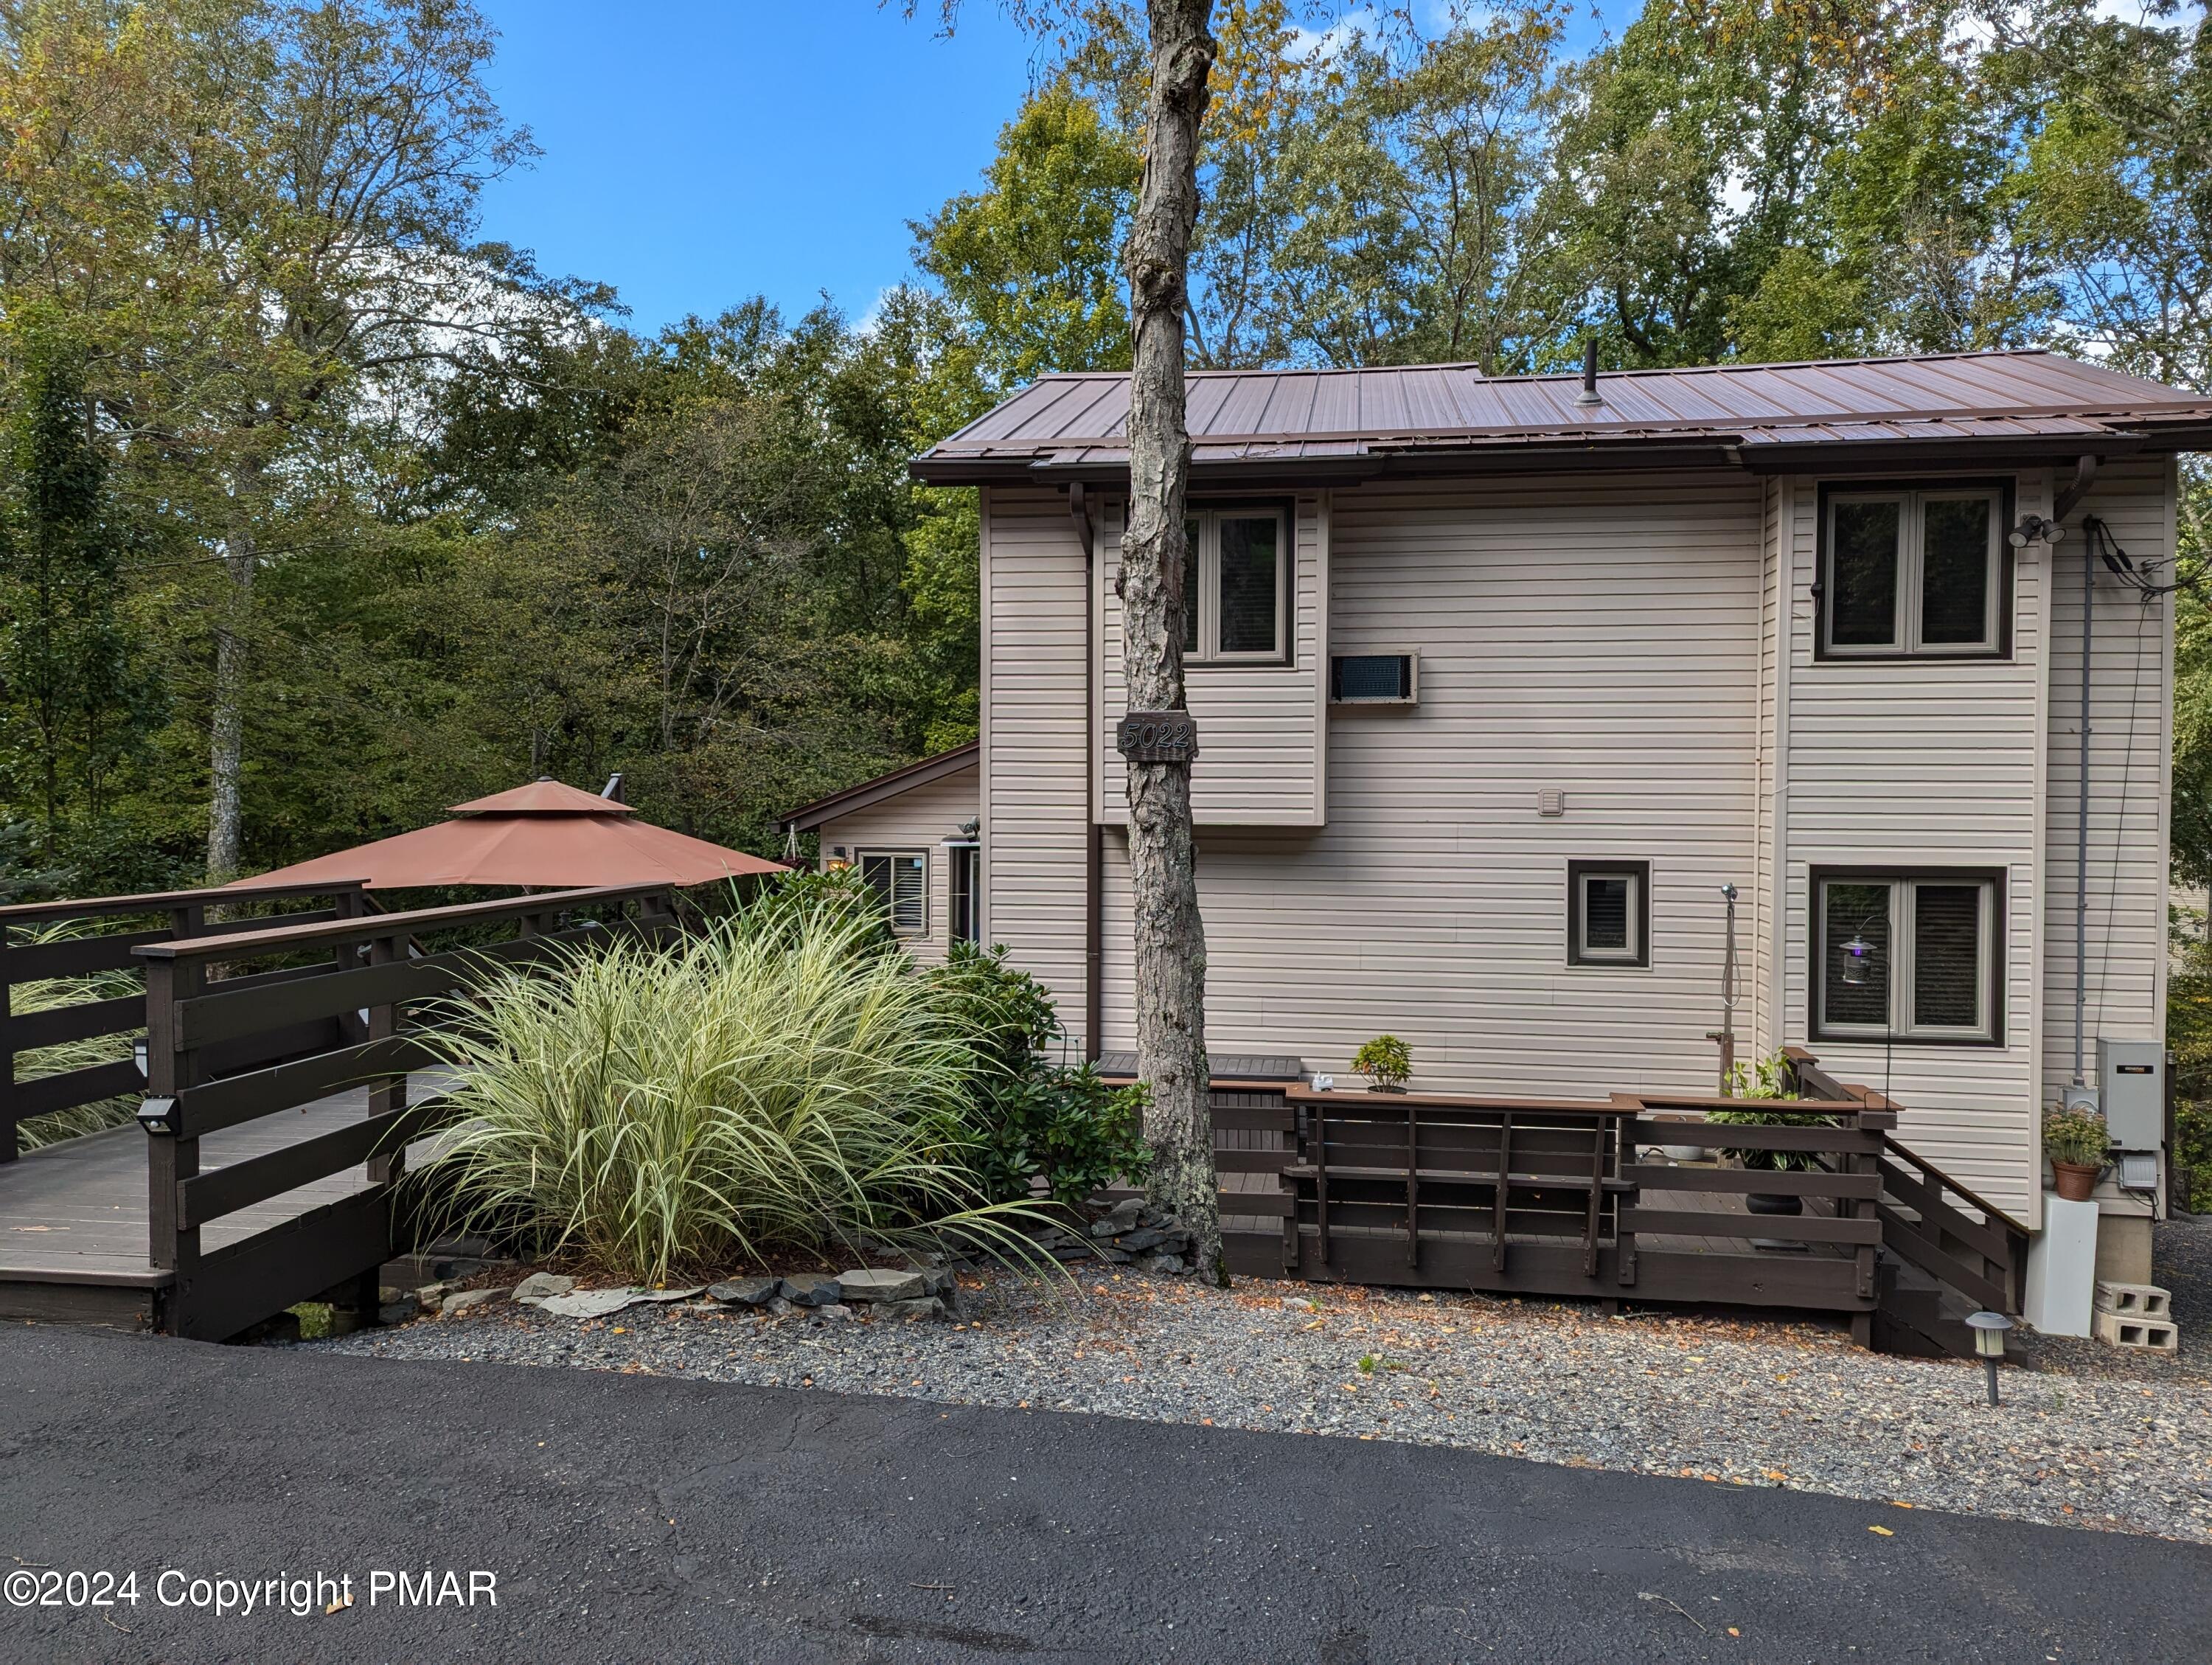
(1156, 737)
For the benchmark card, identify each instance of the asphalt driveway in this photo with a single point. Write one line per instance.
(630, 1518)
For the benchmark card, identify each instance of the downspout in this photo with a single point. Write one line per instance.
(2085, 475)
(1094, 849)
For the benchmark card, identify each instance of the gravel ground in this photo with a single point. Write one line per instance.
(2090, 1437)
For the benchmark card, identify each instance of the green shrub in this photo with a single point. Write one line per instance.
(1769, 1079)
(769, 1084)
(2192, 1154)
(1033, 1116)
(1386, 1060)
(2077, 1136)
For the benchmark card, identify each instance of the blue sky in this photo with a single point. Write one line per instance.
(699, 151)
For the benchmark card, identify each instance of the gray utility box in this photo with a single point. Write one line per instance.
(2132, 1076)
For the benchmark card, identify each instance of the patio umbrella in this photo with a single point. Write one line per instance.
(543, 835)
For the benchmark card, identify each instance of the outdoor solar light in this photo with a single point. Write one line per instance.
(1856, 953)
(1989, 1328)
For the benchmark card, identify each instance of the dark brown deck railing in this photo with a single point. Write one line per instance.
(182, 913)
(372, 966)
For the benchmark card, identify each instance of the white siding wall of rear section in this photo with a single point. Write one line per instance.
(1597, 637)
(2130, 752)
(916, 822)
(1925, 763)
(1261, 728)
(1035, 804)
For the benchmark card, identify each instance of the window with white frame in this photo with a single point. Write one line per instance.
(1608, 913)
(903, 881)
(1236, 585)
(1905, 957)
(1918, 570)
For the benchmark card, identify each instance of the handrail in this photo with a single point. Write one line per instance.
(1996, 1215)
(241, 945)
(33, 913)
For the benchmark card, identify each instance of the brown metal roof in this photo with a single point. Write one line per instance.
(1361, 421)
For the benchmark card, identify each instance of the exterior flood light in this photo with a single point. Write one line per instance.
(1857, 954)
(1989, 1328)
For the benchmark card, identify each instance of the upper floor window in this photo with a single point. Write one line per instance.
(1918, 570)
(1236, 585)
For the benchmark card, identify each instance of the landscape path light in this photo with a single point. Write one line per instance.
(1989, 1328)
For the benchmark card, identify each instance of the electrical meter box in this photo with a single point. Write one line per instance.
(2131, 1075)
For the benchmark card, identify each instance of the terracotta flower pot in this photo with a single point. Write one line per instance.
(2076, 1181)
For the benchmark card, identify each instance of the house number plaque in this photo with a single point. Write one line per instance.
(1156, 737)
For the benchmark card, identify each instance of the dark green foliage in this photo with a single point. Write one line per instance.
(73, 699)
(1034, 1115)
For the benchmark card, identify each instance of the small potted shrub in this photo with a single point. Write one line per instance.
(1386, 1061)
(1770, 1080)
(2076, 1142)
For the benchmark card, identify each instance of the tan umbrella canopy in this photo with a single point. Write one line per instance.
(543, 835)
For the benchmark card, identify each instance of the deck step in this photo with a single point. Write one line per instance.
(1916, 1316)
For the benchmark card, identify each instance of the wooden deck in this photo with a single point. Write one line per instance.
(74, 1234)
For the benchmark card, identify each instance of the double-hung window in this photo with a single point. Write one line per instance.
(1237, 585)
(1913, 571)
(1905, 957)
(903, 881)
(1608, 913)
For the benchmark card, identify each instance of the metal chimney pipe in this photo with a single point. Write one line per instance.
(1589, 395)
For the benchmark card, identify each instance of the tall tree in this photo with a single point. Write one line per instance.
(266, 207)
(1171, 937)
(72, 698)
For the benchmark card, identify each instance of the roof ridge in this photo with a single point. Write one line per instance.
(1732, 367)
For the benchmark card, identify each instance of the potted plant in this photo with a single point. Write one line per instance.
(2076, 1141)
(1770, 1080)
(1386, 1061)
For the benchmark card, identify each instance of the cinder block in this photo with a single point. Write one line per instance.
(2134, 1300)
(2146, 1334)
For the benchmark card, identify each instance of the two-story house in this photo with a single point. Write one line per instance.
(1501, 682)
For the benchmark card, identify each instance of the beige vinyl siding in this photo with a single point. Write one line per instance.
(1924, 762)
(1032, 761)
(1764, 1001)
(1600, 636)
(916, 822)
(1259, 726)
(2130, 751)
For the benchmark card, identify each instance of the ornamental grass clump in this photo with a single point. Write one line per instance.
(661, 1112)
(45, 994)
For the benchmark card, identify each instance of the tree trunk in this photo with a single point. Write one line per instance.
(226, 724)
(1170, 939)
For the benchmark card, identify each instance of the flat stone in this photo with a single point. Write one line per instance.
(830, 1312)
(746, 1291)
(1160, 1263)
(682, 1294)
(539, 1284)
(928, 1306)
(938, 1281)
(869, 1284)
(812, 1288)
(1136, 1243)
(399, 1312)
(590, 1303)
(777, 1308)
(462, 1299)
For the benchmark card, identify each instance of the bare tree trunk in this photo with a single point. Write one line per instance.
(226, 725)
(1170, 939)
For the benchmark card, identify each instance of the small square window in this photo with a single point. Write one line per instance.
(1608, 913)
(902, 880)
